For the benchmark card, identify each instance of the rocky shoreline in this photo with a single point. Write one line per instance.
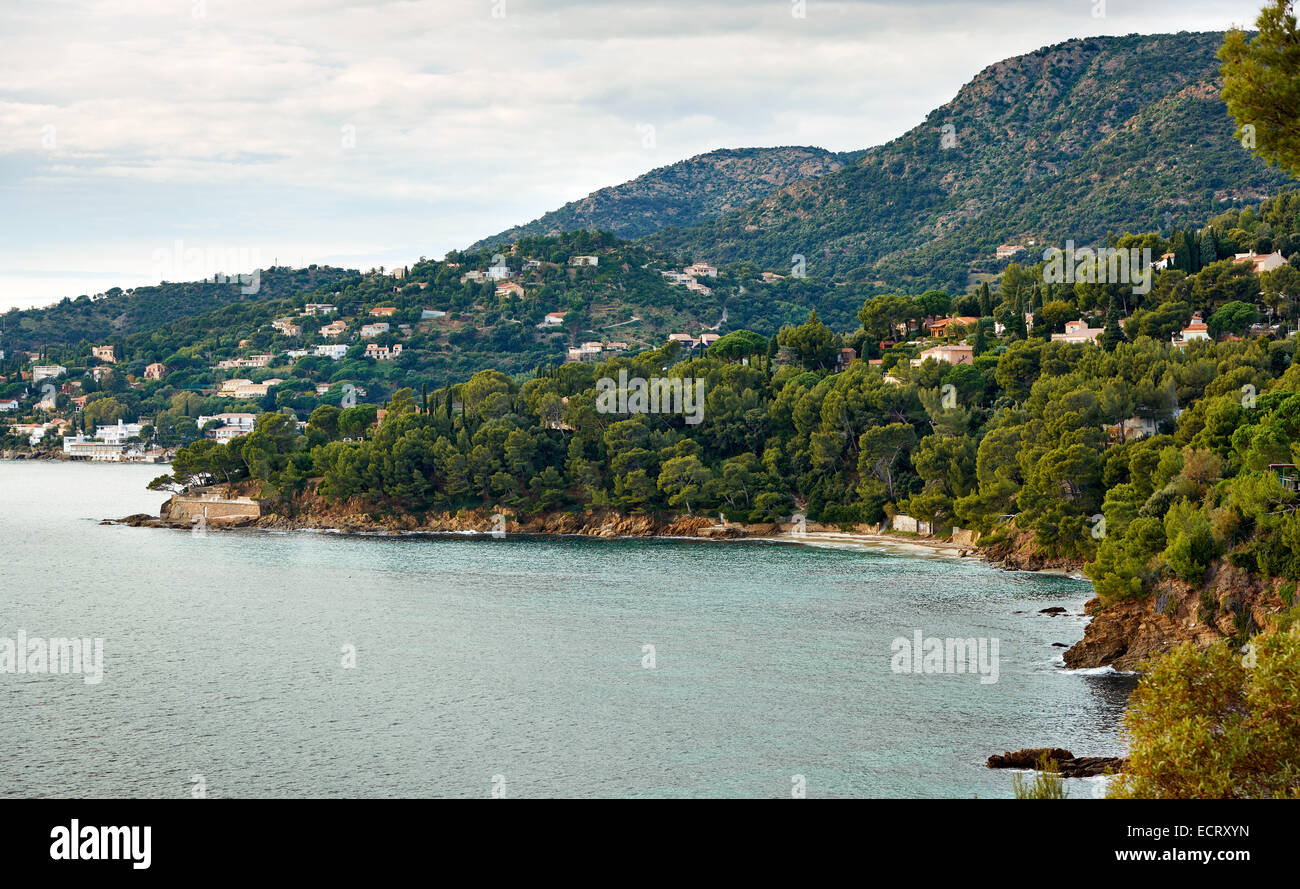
(1119, 637)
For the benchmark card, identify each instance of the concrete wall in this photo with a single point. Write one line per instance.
(965, 536)
(909, 524)
(217, 509)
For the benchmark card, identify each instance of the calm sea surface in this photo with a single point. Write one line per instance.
(517, 663)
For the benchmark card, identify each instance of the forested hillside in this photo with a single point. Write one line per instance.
(124, 313)
(1073, 141)
(683, 193)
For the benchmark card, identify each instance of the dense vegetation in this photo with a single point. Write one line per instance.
(119, 313)
(1027, 438)
(1217, 723)
(1070, 142)
(682, 193)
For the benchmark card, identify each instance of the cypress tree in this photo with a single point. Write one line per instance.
(1113, 335)
(1209, 248)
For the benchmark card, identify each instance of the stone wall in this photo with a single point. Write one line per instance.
(217, 509)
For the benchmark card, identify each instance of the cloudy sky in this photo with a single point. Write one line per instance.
(372, 133)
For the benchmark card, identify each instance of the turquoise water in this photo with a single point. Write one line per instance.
(519, 661)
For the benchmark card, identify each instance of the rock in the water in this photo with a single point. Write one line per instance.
(1070, 766)
(1055, 609)
(1028, 758)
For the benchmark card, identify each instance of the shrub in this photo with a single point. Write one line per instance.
(1217, 723)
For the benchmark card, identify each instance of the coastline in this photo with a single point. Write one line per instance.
(1119, 637)
(356, 518)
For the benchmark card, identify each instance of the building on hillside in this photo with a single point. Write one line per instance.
(334, 329)
(1196, 330)
(700, 269)
(585, 352)
(687, 341)
(772, 277)
(34, 431)
(47, 372)
(584, 260)
(431, 314)
(246, 388)
(1132, 429)
(553, 319)
(1261, 264)
(373, 330)
(8, 404)
(243, 422)
(696, 287)
(1078, 332)
(498, 272)
(942, 327)
(383, 311)
(510, 288)
(332, 351)
(954, 353)
(155, 371)
(1006, 251)
(287, 326)
(383, 353)
(708, 339)
(117, 433)
(253, 361)
(474, 276)
(845, 357)
(532, 264)
(1287, 474)
(1166, 261)
(104, 353)
(319, 309)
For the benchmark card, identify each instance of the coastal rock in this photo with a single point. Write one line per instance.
(1027, 758)
(1019, 551)
(1070, 766)
(1124, 633)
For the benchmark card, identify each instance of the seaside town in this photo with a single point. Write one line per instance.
(79, 407)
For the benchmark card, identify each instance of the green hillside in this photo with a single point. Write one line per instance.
(682, 194)
(1072, 141)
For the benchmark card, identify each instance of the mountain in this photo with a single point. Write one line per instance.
(682, 194)
(1071, 141)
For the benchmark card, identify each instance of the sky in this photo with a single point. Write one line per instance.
(148, 140)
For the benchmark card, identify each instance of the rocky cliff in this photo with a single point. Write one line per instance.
(1230, 604)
